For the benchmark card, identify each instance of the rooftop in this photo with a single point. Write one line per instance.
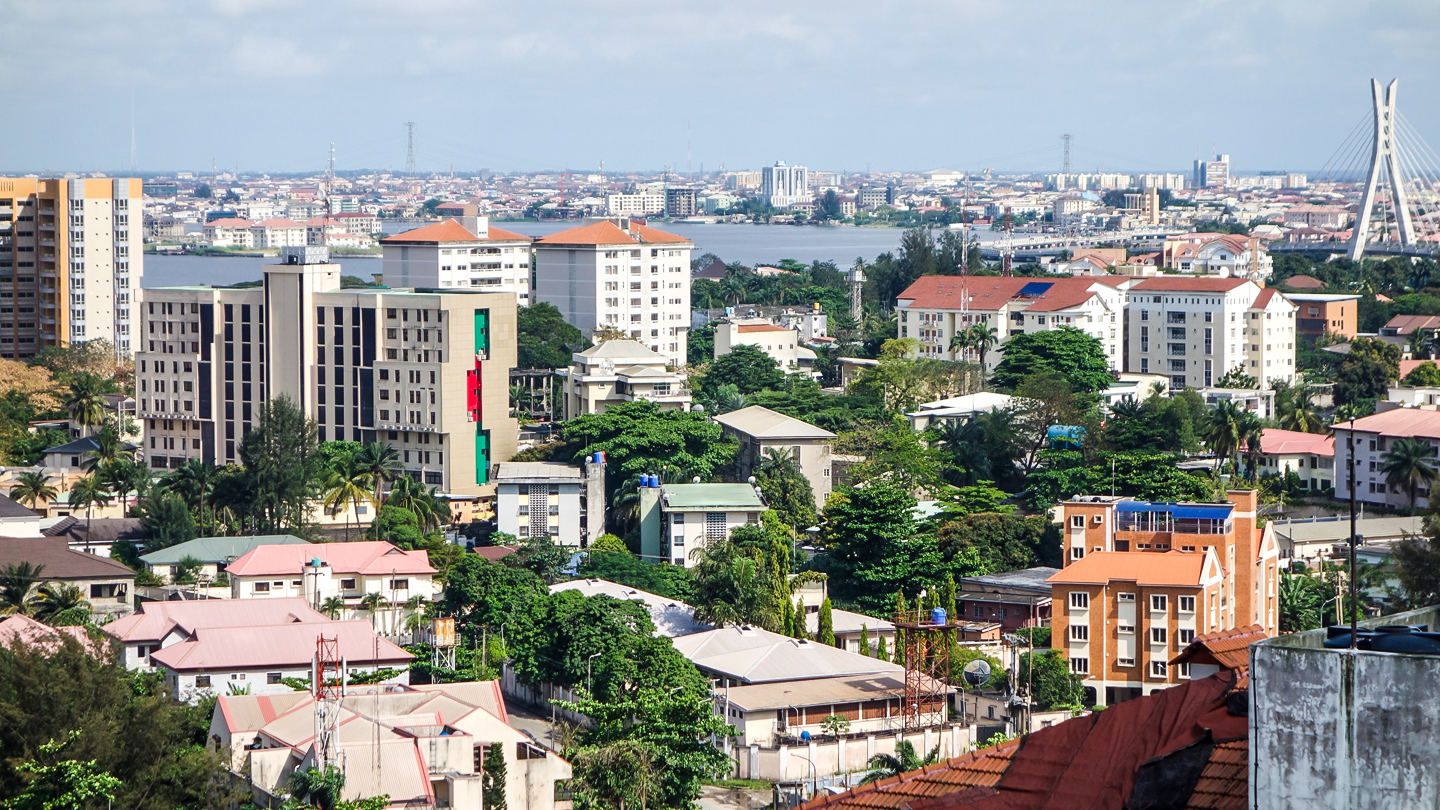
(764, 423)
(1154, 569)
(679, 497)
(672, 617)
(359, 557)
(1409, 422)
(753, 655)
(1190, 284)
(155, 620)
(275, 646)
(60, 562)
(606, 232)
(1036, 578)
(536, 470)
(1274, 441)
(448, 231)
(218, 549)
(816, 692)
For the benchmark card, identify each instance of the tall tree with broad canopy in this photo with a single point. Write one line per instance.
(1067, 351)
(746, 367)
(544, 339)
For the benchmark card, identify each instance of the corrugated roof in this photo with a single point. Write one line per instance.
(672, 617)
(60, 562)
(753, 655)
(289, 646)
(1410, 422)
(516, 470)
(154, 620)
(606, 232)
(1229, 648)
(1176, 568)
(359, 557)
(1274, 441)
(817, 692)
(218, 549)
(711, 496)
(764, 423)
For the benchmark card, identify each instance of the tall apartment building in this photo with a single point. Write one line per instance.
(1196, 329)
(636, 201)
(782, 186)
(70, 261)
(935, 308)
(680, 202)
(619, 274)
(1212, 173)
(424, 370)
(467, 253)
(1142, 579)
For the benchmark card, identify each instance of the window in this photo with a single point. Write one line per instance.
(1124, 662)
(1125, 629)
(1186, 603)
(202, 681)
(1158, 635)
(1079, 632)
(1077, 552)
(1078, 521)
(261, 587)
(1079, 600)
(347, 584)
(715, 525)
(272, 677)
(1125, 597)
(1184, 637)
(1079, 664)
(1157, 669)
(1159, 603)
(1183, 670)
(400, 584)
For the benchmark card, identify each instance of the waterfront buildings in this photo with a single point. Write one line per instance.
(452, 254)
(416, 368)
(1142, 579)
(782, 186)
(619, 275)
(71, 258)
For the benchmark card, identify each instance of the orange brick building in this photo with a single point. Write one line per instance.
(1143, 579)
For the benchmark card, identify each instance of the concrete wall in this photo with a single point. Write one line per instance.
(843, 755)
(1334, 729)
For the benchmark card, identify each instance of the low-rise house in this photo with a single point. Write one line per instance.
(1374, 436)
(431, 741)
(348, 571)
(162, 624)
(106, 583)
(213, 554)
(963, 408)
(775, 713)
(1311, 456)
(676, 519)
(780, 343)
(256, 659)
(619, 371)
(1014, 599)
(760, 429)
(551, 499)
(1316, 539)
(230, 232)
(74, 454)
(735, 656)
(19, 628)
(1319, 314)
(672, 617)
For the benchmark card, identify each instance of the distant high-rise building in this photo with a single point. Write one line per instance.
(618, 274)
(782, 186)
(71, 258)
(465, 252)
(1212, 173)
(680, 202)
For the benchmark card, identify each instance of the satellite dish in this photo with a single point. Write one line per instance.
(977, 672)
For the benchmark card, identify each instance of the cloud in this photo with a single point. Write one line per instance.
(274, 58)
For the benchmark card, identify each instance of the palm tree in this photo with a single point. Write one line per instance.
(1408, 464)
(15, 584)
(1224, 432)
(382, 463)
(776, 461)
(345, 487)
(125, 477)
(109, 449)
(332, 606)
(33, 487)
(1127, 408)
(903, 761)
(983, 338)
(374, 602)
(318, 788)
(195, 482)
(86, 404)
(52, 598)
(87, 493)
(1297, 410)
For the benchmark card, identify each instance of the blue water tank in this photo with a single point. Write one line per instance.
(937, 615)
(599, 457)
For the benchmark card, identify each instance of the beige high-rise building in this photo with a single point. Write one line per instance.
(424, 370)
(71, 258)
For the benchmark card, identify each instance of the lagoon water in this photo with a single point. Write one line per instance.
(750, 244)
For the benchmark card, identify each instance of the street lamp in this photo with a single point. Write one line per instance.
(588, 685)
(814, 774)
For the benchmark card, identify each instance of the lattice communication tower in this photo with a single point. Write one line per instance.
(928, 634)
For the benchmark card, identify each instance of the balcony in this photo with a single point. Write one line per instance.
(1176, 350)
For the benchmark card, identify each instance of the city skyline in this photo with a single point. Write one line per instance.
(256, 86)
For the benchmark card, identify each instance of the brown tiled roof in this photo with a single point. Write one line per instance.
(1229, 648)
(1303, 283)
(447, 230)
(980, 769)
(1224, 784)
(60, 562)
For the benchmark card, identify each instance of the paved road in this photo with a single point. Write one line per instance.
(531, 721)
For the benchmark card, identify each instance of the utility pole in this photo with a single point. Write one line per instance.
(410, 148)
(1353, 591)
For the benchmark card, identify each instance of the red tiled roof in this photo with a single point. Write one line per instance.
(992, 292)
(447, 230)
(1263, 299)
(1274, 441)
(229, 222)
(761, 327)
(1172, 568)
(1410, 422)
(1303, 283)
(1189, 284)
(1087, 762)
(1405, 324)
(1224, 784)
(1229, 649)
(606, 232)
(360, 557)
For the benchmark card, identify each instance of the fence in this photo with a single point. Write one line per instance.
(820, 763)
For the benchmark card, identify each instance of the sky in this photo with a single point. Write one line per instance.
(268, 85)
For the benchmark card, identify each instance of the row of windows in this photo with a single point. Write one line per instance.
(1158, 669)
(1159, 602)
(1158, 635)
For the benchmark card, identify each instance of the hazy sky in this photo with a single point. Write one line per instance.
(266, 85)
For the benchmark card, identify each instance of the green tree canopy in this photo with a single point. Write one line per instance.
(1426, 374)
(282, 461)
(544, 339)
(1067, 351)
(746, 367)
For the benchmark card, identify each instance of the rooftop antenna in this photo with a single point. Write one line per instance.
(410, 148)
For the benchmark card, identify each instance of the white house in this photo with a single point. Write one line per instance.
(676, 519)
(781, 343)
(157, 625)
(619, 371)
(547, 498)
(1311, 456)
